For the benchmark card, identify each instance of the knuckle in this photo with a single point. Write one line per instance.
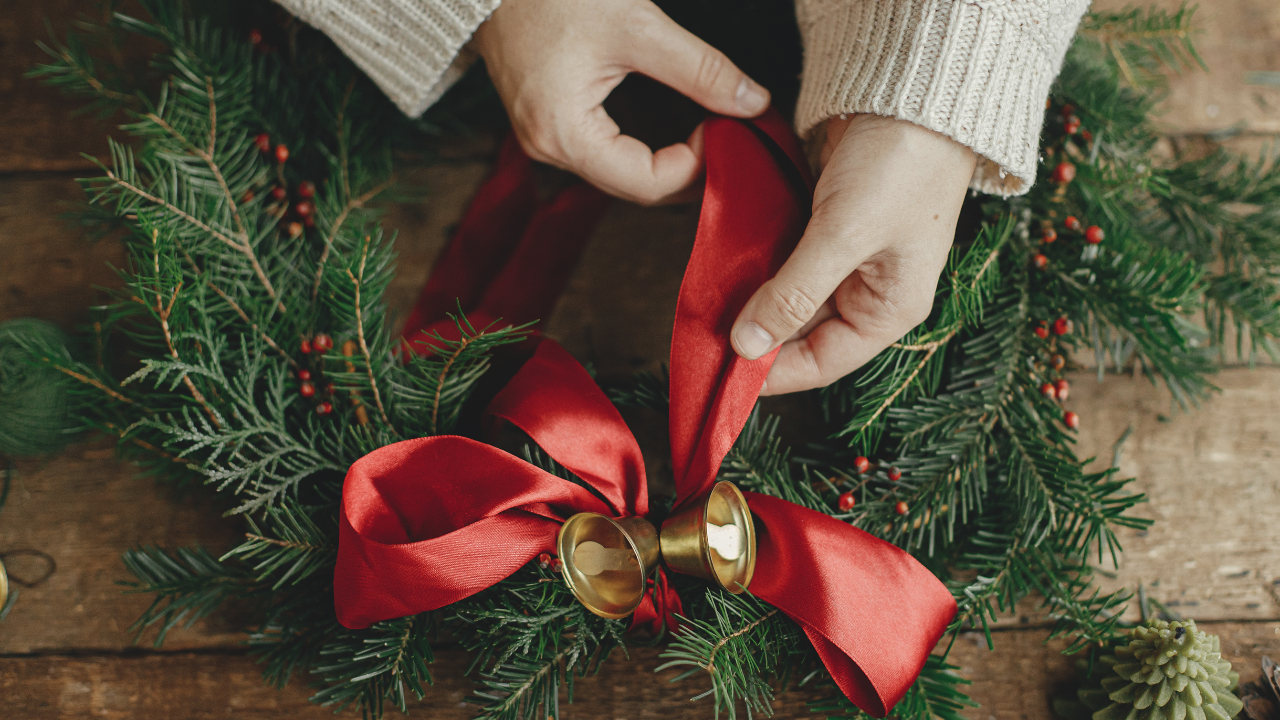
(793, 306)
(712, 68)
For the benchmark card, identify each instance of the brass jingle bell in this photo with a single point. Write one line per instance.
(4, 585)
(713, 538)
(606, 562)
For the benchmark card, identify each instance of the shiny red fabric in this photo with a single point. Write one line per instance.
(511, 256)
(425, 523)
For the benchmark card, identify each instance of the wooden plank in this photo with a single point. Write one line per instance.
(197, 686)
(619, 307)
(84, 509)
(1238, 37)
(1019, 679)
(49, 271)
(37, 129)
(1213, 479)
(1016, 682)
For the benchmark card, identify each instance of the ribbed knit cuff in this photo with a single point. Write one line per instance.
(977, 73)
(413, 49)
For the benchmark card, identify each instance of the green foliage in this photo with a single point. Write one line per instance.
(742, 644)
(38, 417)
(196, 363)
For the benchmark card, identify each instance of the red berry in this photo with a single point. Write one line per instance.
(324, 408)
(305, 347)
(1072, 223)
(1073, 125)
(294, 228)
(1088, 136)
(263, 141)
(1064, 173)
(1041, 262)
(255, 36)
(861, 464)
(282, 153)
(306, 189)
(1049, 235)
(1042, 332)
(1071, 419)
(894, 474)
(309, 221)
(847, 501)
(248, 195)
(1094, 235)
(544, 560)
(1063, 388)
(304, 374)
(1048, 391)
(556, 565)
(330, 388)
(1068, 110)
(1061, 326)
(901, 507)
(322, 343)
(307, 389)
(303, 209)
(279, 193)
(1057, 362)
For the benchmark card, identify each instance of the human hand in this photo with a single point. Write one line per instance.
(554, 62)
(864, 274)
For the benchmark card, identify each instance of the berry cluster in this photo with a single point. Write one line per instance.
(862, 466)
(312, 386)
(547, 562)
(300, 211)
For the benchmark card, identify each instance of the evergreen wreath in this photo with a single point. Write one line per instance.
(249, 351)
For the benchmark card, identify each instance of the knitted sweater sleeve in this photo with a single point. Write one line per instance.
(413, 49)
(977, 71)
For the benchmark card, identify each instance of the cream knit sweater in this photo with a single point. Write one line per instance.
(977, 71)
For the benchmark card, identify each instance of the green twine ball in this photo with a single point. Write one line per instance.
(34, 405)
(1167, 671)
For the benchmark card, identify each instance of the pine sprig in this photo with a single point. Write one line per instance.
(742, 647)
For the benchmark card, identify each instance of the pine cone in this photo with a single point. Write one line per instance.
(1168, 671)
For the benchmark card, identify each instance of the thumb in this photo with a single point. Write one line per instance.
(783, 305)
(679, 59)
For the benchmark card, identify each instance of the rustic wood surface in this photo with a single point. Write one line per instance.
(66, 650)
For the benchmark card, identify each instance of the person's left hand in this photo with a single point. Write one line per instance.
(865, 272)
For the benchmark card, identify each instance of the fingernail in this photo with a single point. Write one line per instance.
(751, 98)
(752, 340)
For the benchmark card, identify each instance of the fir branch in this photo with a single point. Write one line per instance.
(364, 347)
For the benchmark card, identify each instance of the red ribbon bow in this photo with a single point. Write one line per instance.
(428, 522)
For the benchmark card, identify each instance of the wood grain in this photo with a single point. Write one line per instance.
(38, 131)
(1213, 479)
(1016, 682)
(48, 269)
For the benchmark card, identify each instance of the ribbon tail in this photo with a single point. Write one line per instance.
(872, 611)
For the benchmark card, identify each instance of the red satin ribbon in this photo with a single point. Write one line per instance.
(511, 256)
(425, 523)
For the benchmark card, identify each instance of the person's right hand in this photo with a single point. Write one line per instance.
(555, 61)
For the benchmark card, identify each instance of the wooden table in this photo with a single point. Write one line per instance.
(66, 650)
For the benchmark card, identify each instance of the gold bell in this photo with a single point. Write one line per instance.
(606, 562)
(713, 538)
(4, 585)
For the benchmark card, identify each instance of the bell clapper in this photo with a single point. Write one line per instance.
(725, 540)
(592, 558)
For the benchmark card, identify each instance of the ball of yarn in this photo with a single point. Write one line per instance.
(1166, 671)
(34, 403)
